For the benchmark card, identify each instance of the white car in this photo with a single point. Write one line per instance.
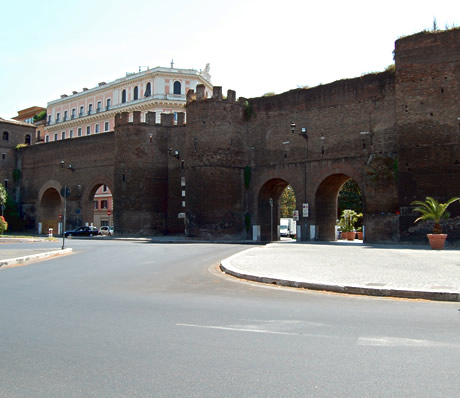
(106, 230)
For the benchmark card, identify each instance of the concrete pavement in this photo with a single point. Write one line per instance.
(354, 268)
(345, 267)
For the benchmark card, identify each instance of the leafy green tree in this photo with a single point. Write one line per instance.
(350, 198)
(40, 116)
(3, 195)
(287, 202)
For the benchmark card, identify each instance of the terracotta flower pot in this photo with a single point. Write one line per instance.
(348, 235)
(437, 241)
(360, 235)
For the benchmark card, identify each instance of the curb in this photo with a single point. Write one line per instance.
(11, 262)
(225, 267)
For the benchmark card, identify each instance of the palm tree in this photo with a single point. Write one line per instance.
(431, 209)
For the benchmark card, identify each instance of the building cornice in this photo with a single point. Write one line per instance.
(106, 115)
(134, 78)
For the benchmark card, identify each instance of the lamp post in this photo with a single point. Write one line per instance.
(65, 192)
(271, 219)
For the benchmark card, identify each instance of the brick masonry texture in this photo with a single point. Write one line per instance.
(396, 133)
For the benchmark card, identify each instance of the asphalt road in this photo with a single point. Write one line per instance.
(128, 319)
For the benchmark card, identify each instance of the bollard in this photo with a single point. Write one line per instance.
(50, 232)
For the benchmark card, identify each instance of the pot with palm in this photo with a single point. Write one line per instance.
(432, 210)
(347, 224)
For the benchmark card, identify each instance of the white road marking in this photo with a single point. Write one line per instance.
(398, 342)
(237, 329)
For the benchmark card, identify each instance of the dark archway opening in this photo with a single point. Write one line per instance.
(269, 208)
(50, 209)
(335, 194)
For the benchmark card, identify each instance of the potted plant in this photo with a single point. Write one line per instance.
(359, 233)
(432, 210)
(347, 224)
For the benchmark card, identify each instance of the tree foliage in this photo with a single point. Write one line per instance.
(3, 195)
(287, 202)
(40, 116)
(350, 198)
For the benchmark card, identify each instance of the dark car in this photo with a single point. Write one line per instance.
(82, 231)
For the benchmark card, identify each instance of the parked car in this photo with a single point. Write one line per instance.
(106, 230)
(82, 231)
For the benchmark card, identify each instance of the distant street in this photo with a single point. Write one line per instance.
(131, 319)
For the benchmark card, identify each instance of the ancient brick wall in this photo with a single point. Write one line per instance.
(395, 133)
(349, 124)
(92, 163)
(215, 158)
(428, 111)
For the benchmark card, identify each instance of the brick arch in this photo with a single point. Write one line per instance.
(89, 192)
(49, 205)
(268, 218)
(326, 204)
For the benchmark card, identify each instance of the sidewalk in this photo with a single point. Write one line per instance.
(19, 255)
(375, 270)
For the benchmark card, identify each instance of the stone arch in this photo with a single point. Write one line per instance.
(87, 198)
(326, 204)
(50, 206)
(268, 209)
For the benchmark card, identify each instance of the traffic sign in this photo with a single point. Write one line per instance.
(65, 192)
(108, 212)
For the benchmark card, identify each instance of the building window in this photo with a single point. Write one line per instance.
(63, 135)
(49, 119)
(65, 115)
(105, 188)
(96, 204)
(104, 204)
(3, 156)
(148, 90)
(58, 116)
(71, 134)
(5, 184)
(47, 138)
(177, 88)
(136, 93)
(27, 139)
(88, 130)
(55, 136)
(108, 104)
(79, 132)
(81, 111)
(99, 106)
(123, 96)
(106, 126)
(90, 109)
(6, 136)
(97, 128)
(73, 113)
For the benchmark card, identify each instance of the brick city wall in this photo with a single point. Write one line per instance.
(395, 133)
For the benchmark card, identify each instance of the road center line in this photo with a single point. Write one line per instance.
(237, 329)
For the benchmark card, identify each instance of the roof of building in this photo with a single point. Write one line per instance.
(131, 76)
(16, 122)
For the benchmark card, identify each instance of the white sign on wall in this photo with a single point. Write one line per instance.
(305, 210)
(295, 215)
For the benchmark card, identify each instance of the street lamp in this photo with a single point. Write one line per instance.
(303, 130)
(65, 192)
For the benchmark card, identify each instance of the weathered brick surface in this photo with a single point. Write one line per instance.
(396, 134)
(427, 111)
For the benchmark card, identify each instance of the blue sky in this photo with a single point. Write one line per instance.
(254, 46)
